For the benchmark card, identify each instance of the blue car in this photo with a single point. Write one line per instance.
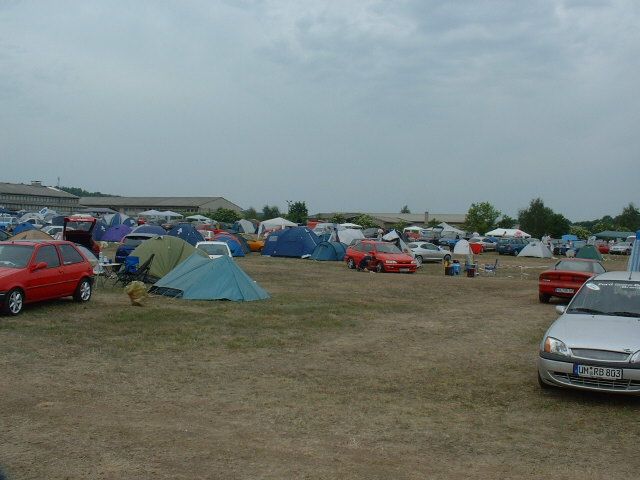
(129, 244)
(510, 246)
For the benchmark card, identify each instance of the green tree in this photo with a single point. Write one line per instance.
(506, 222)
(405, 209)
(337, 218)
(225, 215)
(270, 212)
(481, 217)
(629, 219)
(298, 212)
(365, 221)
(250, 213)
(579, 231)
(434, 222)
(539, 220)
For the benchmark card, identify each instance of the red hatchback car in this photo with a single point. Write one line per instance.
(31, 271)
(388, 257)
(566, 277)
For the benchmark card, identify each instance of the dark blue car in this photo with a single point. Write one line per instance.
(510, 246)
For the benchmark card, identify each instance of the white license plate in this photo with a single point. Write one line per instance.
(591, 371)
(404, 270)
(564, 290)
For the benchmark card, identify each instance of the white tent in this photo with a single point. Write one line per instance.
(535, 249)
(198, 218)
(449, 228)
(274, 224)
(170, 214)
(246, 226)
(507, 232)
(151, 213)
(348, 235)
(351, 225)
(462, 247)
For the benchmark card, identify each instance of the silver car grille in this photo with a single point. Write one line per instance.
(623, 385)
(606, 355)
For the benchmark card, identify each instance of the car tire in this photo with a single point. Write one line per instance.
(447, 258)
(351, 264)
(544, 297)
(380, 267)
(14, 302)
(83, 291)
(419, 260)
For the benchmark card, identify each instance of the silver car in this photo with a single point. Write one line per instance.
(487, 244)
(621, 248)
(595, 344)
(428, 252)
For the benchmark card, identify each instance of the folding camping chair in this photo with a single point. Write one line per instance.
(131, 271)
(490, 269)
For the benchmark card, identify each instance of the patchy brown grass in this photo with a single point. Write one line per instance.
(339, 375)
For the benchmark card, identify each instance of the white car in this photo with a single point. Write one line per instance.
(214, 249)
(621, 248)
(428, 252)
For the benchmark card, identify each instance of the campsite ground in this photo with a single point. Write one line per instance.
(340, 375)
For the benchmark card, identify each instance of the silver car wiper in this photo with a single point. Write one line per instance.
(625, 314)
(587, 310)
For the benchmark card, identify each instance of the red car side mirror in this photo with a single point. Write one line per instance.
(39, 266)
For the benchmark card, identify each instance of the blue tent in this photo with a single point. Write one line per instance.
(232, 242)
(99, 230)
(121, 219)
(150, 229)
(569, 238)
(116, 233)
(23, 227)
(291, 242)
(326, 251)
(199, 278)
(186, 232)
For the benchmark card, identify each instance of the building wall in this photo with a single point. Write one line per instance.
(33, 203)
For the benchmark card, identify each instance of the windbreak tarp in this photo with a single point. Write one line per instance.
(116, 233)
(169, 252)
(200, 278)
(186, 232)
(329, 251)
(589, 251)
(292, 242)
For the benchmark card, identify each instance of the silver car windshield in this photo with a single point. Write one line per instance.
(606, 297)
(213, 249)
(15, 256)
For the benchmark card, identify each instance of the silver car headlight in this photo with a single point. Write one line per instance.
(635, 358)
(553, 345)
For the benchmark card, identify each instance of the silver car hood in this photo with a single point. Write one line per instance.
(600, 332)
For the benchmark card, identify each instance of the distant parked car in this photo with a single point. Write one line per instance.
(388, 257)
(621, 248)
(428, 252)
(566, 277)
(129, 244)
(595, 344)
(215, 249)
(510, 246)
(603, 247)
(32, 271)
(52, 230)
(488, 244)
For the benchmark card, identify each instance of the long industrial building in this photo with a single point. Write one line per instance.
(134, 205)
(35, 196)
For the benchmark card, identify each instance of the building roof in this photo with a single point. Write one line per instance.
(31, 189)
(418, 218)
(148, 201)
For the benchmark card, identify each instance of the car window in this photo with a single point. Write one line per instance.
(415, 245)
(48, 254)
(70, 255)
(388, 248)
(214, 249)
(368, 247)
(15, 256)
(608, 297)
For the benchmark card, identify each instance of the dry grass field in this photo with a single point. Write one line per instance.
(339, 375)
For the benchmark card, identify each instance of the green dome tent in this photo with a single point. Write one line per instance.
(589, 251)
(199, 278)
(169, 253)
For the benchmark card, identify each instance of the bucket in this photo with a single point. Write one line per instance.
(471, 272)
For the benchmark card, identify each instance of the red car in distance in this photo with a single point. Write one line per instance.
(566, 277)
(388, 257)
(36, 270)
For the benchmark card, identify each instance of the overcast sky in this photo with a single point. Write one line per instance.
(350, 105)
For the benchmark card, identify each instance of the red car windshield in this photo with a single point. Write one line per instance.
(574, 266)
(15, 256)
(387, 248)
(81, 226)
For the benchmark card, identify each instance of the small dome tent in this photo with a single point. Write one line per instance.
(291, 242)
